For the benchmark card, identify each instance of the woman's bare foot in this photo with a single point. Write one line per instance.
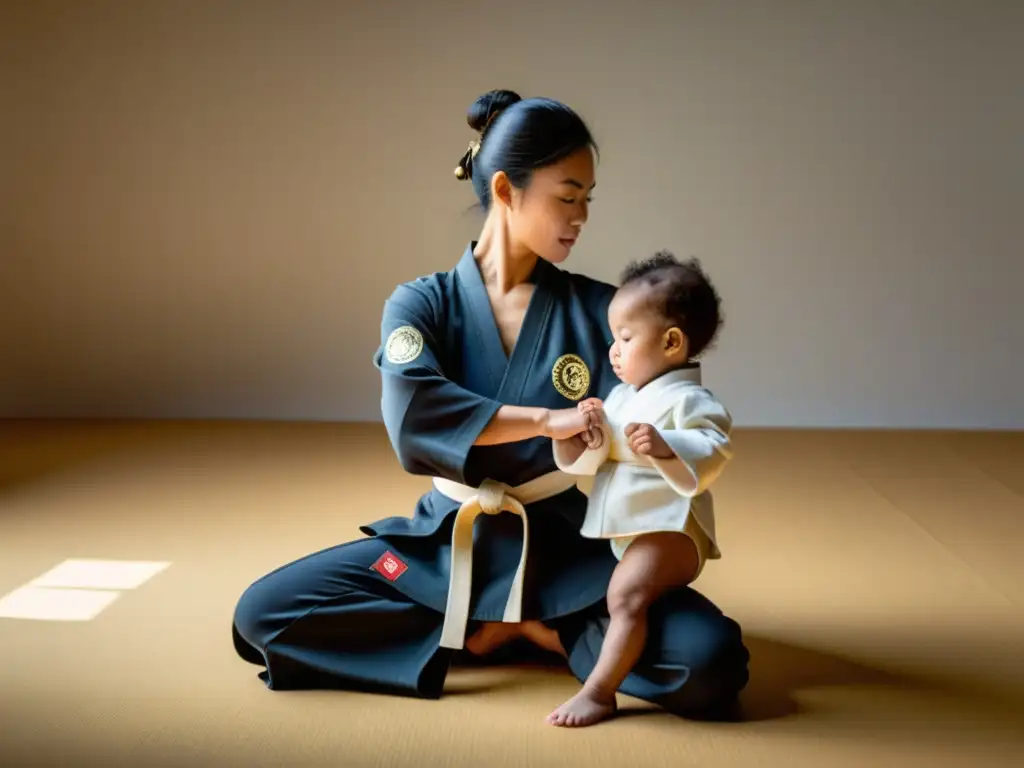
(585, 708)
(493, 635)
(546, 638)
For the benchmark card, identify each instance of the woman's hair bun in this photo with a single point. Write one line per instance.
(488, 107)
(518, 137)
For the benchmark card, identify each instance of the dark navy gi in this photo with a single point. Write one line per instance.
(367, 615)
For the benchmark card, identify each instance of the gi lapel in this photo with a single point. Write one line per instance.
(644, 407)
(486, 348)
(507, 374)
(535, 321)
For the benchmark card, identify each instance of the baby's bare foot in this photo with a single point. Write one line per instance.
(585, 708)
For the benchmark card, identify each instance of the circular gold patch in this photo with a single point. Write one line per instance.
(403, 345)
(571, 377)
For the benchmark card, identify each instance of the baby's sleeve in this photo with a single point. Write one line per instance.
(699, 435)
(588, 462)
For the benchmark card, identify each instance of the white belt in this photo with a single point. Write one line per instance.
(490, 498)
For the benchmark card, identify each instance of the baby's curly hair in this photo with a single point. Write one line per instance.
(682, 293)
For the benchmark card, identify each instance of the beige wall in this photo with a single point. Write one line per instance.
(205, 203)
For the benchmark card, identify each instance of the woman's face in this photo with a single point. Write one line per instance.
(547, 216)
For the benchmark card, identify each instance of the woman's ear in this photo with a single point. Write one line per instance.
(501, 189)
(674, 343)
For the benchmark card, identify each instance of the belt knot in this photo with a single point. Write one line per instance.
(492, 497)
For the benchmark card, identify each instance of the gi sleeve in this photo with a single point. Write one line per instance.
(699, 436)
(588, 462)
(431, 421)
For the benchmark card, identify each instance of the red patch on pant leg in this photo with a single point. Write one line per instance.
(389, 566)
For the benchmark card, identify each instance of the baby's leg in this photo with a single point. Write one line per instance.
(651, 565)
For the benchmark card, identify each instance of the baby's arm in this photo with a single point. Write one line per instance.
(699, 439)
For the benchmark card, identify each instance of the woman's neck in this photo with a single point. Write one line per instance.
(503, 265)
(502, 275)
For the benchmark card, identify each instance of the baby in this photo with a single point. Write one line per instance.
(665, 440)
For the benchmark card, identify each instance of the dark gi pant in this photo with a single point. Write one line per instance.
(329, 621)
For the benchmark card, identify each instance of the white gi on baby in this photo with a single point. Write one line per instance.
(633, 495)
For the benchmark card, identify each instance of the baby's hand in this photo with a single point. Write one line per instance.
(592, 407)
(593, 438)
(645, 440)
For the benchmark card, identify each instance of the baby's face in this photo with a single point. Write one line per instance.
(643, 347)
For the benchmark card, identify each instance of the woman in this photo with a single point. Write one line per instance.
(482, 367)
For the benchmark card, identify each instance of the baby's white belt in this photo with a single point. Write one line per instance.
(490, 498)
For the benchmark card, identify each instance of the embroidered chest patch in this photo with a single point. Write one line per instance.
(571, 377)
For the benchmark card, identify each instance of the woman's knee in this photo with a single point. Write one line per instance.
(272, 602)
(722, 655)
(298, 590)
(696, 662)
(717, 667)
(255, 605)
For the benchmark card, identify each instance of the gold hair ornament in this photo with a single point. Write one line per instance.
(465, 167)
(467, 161)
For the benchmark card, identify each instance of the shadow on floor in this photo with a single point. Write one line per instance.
(779, 671)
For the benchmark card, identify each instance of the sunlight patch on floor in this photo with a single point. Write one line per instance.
(42, 604)
(77, 589)
(100, 574)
